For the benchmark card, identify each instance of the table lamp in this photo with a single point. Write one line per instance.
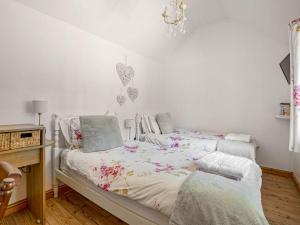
(39, 107)
(130, 125)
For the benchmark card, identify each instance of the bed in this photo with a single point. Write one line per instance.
(205, 140)
(127, 210)
(137, 182)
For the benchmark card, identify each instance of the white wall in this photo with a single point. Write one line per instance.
(226, 78)
(44, 58)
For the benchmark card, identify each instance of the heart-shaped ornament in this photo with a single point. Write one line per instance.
(121, 99)
(132, 93)
(126, 73)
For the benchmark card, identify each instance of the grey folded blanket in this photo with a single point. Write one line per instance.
(207, 199)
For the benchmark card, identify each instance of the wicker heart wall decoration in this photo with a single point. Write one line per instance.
(133, 93)
(126, 73)
(121, 99)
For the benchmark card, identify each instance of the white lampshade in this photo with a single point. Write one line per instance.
(39, 106)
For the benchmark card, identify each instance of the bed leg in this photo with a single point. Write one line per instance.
(55, 155)
(55, 189)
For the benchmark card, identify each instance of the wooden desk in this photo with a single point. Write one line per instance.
(34, 158)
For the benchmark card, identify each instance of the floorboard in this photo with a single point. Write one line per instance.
(280, 197)
(281, 200)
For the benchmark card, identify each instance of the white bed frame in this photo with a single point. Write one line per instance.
(99, 197)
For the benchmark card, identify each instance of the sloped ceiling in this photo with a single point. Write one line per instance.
(138, 25)
(134, 24)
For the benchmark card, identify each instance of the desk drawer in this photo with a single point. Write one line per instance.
(22, 158)
(25, 139)
(4, 141)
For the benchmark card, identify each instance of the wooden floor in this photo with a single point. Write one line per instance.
(281, 202)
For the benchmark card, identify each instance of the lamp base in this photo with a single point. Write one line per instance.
(39, 118)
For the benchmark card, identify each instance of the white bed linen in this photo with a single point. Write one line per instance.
(149, 175)
(230, 166)
(238, 148)
(238, 137)
(175, 140)
(206, 141)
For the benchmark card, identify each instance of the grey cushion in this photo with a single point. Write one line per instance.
(100, 133)
(165, 123)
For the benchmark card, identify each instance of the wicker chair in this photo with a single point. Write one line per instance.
(10, 176)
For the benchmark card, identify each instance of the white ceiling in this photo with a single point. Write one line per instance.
(138, 25)
(268, 16)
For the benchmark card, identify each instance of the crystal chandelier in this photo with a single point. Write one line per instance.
(175, 17)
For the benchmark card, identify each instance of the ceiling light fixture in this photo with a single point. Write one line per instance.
(175, 17)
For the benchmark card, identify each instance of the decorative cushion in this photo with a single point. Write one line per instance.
(100, 133)
(70, 127)
(165, 123)
(138, 128)
(64, 126)
(154, 125)
(145, 124)
(75, 133)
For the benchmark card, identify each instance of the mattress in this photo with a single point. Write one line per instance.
(143, 173)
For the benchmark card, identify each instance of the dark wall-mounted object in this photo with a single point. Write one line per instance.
(286, 68)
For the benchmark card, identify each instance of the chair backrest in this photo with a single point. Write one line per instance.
(9, 177)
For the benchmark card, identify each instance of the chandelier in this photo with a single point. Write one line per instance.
(174, 16)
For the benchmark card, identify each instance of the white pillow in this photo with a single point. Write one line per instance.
(238, 148)
(138, 128)
(64, 124)
(146, 125)
(70, 127)
(165, 123)
(154, 125)
(75, 133)
(238, 137)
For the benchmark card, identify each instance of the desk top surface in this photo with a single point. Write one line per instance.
(19, 127)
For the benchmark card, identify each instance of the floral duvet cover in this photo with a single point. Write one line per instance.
(206, 141)
(184, 138)
(140, 171)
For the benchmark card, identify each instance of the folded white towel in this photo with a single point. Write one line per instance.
(238, 137)
(230, 166)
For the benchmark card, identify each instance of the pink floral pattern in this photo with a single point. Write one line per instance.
(161, 148)
(166, 168)
(131, 172)
(75, 133)
(176, 138)
(163, 168)
(156, 204)
(175, 141)
(108, 174)
(78, 135)
(132, 149)
(297, 95)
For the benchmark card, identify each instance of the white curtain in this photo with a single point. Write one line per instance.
(294, 32)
